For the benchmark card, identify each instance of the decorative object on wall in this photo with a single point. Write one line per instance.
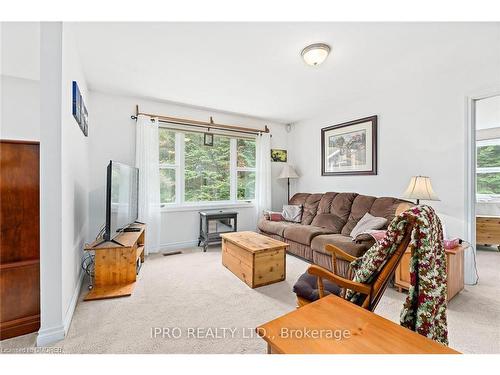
(288, 172)
(279, 156)
(350, 148)
(420, 187)
(208, 139)
(79, 110)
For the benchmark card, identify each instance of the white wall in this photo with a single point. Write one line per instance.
(19, 81)
(64, 181)
(20, 116)
(112, 137)
(74, 176)
(421, 120)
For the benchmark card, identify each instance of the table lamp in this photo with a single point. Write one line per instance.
(288, 172)
(420, 188)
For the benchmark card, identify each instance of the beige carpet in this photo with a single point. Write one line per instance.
(194, 291)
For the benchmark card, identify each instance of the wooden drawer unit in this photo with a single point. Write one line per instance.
(255, 259)
(454, 268)
(488, 230)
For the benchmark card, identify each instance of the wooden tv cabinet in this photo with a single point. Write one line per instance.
(115, 265)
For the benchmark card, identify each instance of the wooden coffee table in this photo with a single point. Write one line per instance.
(256, 259)
(333, 325)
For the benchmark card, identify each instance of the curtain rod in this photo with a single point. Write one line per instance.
(201, 124)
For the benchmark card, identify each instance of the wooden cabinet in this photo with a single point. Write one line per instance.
(454, 269)
(116, 264)
(488, 230)
(20, 238)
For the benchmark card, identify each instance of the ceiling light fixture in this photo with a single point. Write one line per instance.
(315, 54)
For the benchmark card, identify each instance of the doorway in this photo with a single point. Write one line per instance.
(483, 180)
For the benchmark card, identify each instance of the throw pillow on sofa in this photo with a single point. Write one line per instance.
(292, 213)
(367, 223)
(272, 215)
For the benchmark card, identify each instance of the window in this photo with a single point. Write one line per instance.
(488, 167)
(245, 169)
(191, 172)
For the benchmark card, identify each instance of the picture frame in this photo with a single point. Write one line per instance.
(208, 139)
(279, 156)
(76, 103)
(350, 148)
(79, 110)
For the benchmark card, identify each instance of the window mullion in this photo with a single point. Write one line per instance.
(233, 165)
(179, 161)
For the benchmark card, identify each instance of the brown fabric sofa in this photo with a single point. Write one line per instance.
(330, 218)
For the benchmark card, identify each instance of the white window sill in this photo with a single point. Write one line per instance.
(206, 206)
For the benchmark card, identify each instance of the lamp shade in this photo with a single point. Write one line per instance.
(288, 172)
(420, 188)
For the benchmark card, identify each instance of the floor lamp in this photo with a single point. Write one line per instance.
(288, 172)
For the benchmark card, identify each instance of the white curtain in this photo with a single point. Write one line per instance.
(147, 160)
(263, 180)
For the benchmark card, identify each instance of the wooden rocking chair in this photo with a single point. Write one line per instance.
(374, 290)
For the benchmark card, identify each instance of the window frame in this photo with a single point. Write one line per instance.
(180, 204)
(483, 143)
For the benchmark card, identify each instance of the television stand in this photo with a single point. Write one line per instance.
(133, 229)
(116, 264)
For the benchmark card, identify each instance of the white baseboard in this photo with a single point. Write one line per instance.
(177, 245)
(72, 305)
(53, 334)
(50, 335)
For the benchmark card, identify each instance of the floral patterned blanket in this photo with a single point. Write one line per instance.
(424, 310)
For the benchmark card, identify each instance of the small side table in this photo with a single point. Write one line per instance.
(215, 222)
(454, 271)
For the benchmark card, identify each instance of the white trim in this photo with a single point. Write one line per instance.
(177, 245)
(58, 333)
(470, 177)
(207, 206)
(50, 335)
(72, 305)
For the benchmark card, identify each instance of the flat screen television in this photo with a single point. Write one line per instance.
(121, 198)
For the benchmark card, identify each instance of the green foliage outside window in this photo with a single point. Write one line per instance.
(206, 169)
(488, 157)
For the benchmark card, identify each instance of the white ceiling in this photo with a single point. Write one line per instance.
(255, 68)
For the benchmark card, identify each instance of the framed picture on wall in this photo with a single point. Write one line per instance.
(350, 148)
(79, 110)
(279, 156)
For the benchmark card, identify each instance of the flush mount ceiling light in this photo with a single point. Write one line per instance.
(315, 54)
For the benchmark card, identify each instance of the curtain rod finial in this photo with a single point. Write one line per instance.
(266, 128)
(137, 109)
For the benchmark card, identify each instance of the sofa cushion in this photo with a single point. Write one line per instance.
(341, 205)
(326, 202)
(310, 208)
(303, 233)
(345, 243)
(299, 198)
(385, 207)
(360, 206)
(329, 221)
(307, 287)
(273, 227)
